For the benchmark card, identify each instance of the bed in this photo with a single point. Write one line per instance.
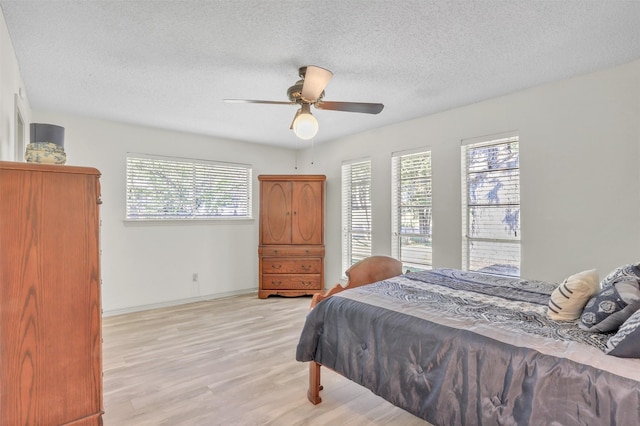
(466, 348)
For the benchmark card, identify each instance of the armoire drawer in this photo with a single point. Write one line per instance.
(291, 281)
(274, 251)
(275, 265)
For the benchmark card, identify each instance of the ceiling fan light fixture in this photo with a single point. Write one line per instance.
(305, 126)
(307, 91)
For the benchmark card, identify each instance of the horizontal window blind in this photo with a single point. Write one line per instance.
(173, 188)
(356, 212)
(411, 209)
(491, 206)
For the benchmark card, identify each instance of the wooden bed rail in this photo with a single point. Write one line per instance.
(367, 271)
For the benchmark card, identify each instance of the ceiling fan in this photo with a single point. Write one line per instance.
(307, 91)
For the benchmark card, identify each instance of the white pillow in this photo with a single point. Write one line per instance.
(569, 298)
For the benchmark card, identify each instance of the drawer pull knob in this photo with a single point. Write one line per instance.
(305, 267)
(306, 283)
(276, 266)
(276, 282)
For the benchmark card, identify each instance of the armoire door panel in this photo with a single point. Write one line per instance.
(307, 213)
(276, 213)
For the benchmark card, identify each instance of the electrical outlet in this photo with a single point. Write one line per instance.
(195, 277)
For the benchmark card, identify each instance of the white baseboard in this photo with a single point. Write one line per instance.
(113, 312)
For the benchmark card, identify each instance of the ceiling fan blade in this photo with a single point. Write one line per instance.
(363, 107)
(254, 101)
(315, 80)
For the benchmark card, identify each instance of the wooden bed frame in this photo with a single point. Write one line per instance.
(508, 371)
(367, 271)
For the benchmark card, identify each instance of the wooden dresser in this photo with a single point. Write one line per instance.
(291, 252)
(50, 311)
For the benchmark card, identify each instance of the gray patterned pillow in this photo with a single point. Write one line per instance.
(626, 342)
(612, 306)
(625, 271)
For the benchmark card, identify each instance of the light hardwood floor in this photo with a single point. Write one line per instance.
(227, 361)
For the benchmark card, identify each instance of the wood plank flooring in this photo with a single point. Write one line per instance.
(227, 361)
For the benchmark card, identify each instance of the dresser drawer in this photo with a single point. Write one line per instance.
(275, 265)
(291, 281)
(291, 251)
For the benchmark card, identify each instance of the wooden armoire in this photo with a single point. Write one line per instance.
(291, 251)
(50, 309)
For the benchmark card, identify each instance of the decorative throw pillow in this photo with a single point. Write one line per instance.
(612, 306)
(626, 342)
(631, 271)
(568, 299)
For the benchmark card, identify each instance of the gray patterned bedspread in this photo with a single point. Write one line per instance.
(464, 348)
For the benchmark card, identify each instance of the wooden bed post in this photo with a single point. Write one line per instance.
(313, 394)
(367, 271)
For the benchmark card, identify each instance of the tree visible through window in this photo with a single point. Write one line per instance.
(491, 206)
(356, 212)
(411, 209)
(173, 188)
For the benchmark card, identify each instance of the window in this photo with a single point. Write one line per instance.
(356, 212)
(178, 188)
(411, 209)
(491, 206)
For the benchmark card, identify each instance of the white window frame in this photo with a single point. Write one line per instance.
(195, 189)
(349, 233)
(406, 203)
(19, 130)
(506, 247)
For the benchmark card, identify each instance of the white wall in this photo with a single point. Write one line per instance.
(11, 87)
(146, 265)
(580, 183)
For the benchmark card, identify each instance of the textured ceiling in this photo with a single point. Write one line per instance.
(169, 64)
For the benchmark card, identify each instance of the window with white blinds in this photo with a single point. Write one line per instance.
(177, 188)
(356, 212)
(411, 209)
(491, 206)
